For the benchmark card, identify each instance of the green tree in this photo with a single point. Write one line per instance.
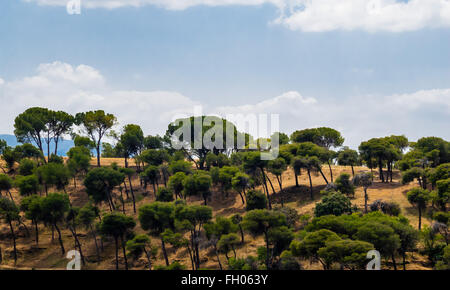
(240, 182)
(6, 184)
(79, 161)
(193, 217)
(32, 207)
(260, 222)
(365, 180)
(27, 184)
(176, 183)
(198, 183)
(383, 237)
(118, 226)
(349, 254)
(54, 174)
(324, 137)
(164, 194)
(100, 182)
(348, 157)
(31, 126)
(344, 184)
(95, 125)
(419, 198)
(132, 140)
(228, 242)
(309, 246)
(333, 203)
(151, 175)
(141, 244)
(9, 212)
(54, 208)
(86, 217)
(156, 217)
(255, 200)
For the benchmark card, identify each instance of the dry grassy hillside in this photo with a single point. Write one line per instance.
(48, 254)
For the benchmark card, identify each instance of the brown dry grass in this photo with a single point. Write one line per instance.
(48, 254)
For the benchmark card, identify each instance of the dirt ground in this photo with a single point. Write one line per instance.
(48, 254)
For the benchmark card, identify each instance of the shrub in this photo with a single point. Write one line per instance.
(256, 200)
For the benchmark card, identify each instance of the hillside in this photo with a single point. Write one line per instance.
(48, 254)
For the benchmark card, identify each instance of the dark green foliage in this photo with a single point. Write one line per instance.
(198, 183)
(349, 254)
(54, 174)
(27, 184)
(334, 203)
(100, 182)
(26, 166)
(255, 200)
(345, 185)
(164, 194)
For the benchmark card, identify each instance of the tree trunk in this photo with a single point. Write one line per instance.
(149, 260)
(310, 184)
(132, 194)
(267, 249)
(36, 232)
(366, 197)
(353, 171)
(14, 241)
(394, 263)
(96, 245)
(331, 171)
(124, 252)
(323, 175)
(117, 252)
(267, 189)
(420, 218)
(296, 179)
(380, 165)
(59, 238)
(242, 234)
(218, 259)
(404, 261)
(98, 154)
(163, 247)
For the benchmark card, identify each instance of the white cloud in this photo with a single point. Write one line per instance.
(60, 86)
(316, 15)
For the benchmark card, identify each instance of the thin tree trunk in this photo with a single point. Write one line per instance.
(242, 234)
(60, 238)
(218, 259)
(149, 260)
(267, 189)
(14, 241)
(117, 253)
(420, 218)
(323, 175)
(366, 197)
(124, 252)
(96, 245)
(36, 232)
(296, 179)
(393, 261)
(353, 171)
(331, 171)
(132, 194)
(163, 247)
(310, 184)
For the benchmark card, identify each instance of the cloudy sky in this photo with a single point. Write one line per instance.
(369, 68)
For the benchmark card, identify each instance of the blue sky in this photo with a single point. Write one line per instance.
(227, 56)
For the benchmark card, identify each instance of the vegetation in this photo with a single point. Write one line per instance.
(211, 204)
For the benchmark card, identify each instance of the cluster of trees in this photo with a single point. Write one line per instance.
(340, 234)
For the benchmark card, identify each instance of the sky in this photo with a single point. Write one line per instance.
(369, 68)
